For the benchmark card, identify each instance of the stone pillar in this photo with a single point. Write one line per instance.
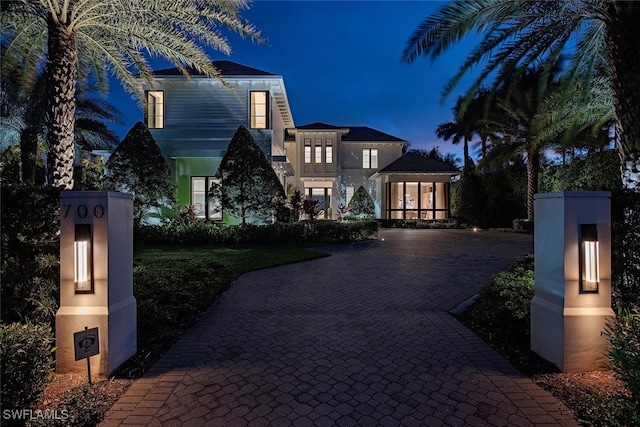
(566, 320)
(105, 300)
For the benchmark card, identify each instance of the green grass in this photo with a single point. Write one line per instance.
(239, 259)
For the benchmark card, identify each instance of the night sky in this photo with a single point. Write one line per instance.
(341, 65)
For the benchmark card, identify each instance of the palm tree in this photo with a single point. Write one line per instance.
(469, 120)
(520, 103)
(23, 121)
(109, 36)
(582, 118)
(518, 33)
(22, 113)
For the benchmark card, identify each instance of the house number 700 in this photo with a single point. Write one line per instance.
(83, 211)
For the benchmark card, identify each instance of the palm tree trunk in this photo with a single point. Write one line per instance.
(28, 152)
(61, 76)
(533, 169)
(623, 40)
(466, 152)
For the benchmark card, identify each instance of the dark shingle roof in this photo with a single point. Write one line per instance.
(415, 163)
(355, 134)
(317, 126)
(226, 68)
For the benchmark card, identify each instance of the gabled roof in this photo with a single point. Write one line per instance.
(354, 133)
(226, 68)
(317, 126)
(416, 163)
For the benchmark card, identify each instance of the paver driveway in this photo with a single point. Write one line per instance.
(359, 338)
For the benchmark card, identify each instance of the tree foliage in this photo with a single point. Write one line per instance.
(250, 189)
(361, 204)
(138, 167)
(519, 34)
(108, 37)
(599, 171)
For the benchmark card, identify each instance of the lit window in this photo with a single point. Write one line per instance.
(318, 150)
(349, 193)
(307, 150)
(369, 158)
(204, 204)
(328, 154)
(155, 109)
(214, 204)
(198, 195)
(259, 110)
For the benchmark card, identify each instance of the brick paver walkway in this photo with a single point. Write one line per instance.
(361, 338)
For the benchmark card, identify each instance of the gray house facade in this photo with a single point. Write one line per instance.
(193, 120)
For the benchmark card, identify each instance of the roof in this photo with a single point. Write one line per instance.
(226, 68)
(416, 163)
(355, 133)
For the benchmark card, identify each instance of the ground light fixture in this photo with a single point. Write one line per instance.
(589, 259)
(82, 258)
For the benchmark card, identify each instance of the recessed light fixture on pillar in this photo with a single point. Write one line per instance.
(589, 259)
(82, 258)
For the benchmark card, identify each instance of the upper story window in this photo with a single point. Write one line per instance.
(328, 151)
(259, 110)
(155, 109)
(307, 150)
(369, 158)
(318, 150)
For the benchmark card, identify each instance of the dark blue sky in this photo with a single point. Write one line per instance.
(341, 65)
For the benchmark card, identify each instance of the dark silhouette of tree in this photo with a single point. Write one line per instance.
(138, 167)
(435, 154)
(250, 189)
(518, 34)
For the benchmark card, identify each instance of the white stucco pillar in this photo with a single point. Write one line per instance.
(567, 317)
(102, 295)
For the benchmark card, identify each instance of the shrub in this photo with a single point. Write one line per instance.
(522, 225)
(512, 290)
(625, 246)
(419, 223)
(361, 204)
(138, 167)
(26, 363)
(623, 333)
(250, 189)
(503, 308)
(207, 233)
(30, 253)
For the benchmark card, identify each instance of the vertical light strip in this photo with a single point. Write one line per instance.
(81, 255)
(589, 258)
(591, 261)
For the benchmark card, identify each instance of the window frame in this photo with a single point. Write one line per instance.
(317, 151)
(307, 151)
(148, 95)
(328, 150)
(207, 212)
(253, 116)
(368, 159)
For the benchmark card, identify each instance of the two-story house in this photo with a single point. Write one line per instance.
(331, 162)
(193, 120)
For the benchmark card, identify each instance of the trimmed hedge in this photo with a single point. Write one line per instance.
(419, 223)
(26, 358)
(207, 233)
